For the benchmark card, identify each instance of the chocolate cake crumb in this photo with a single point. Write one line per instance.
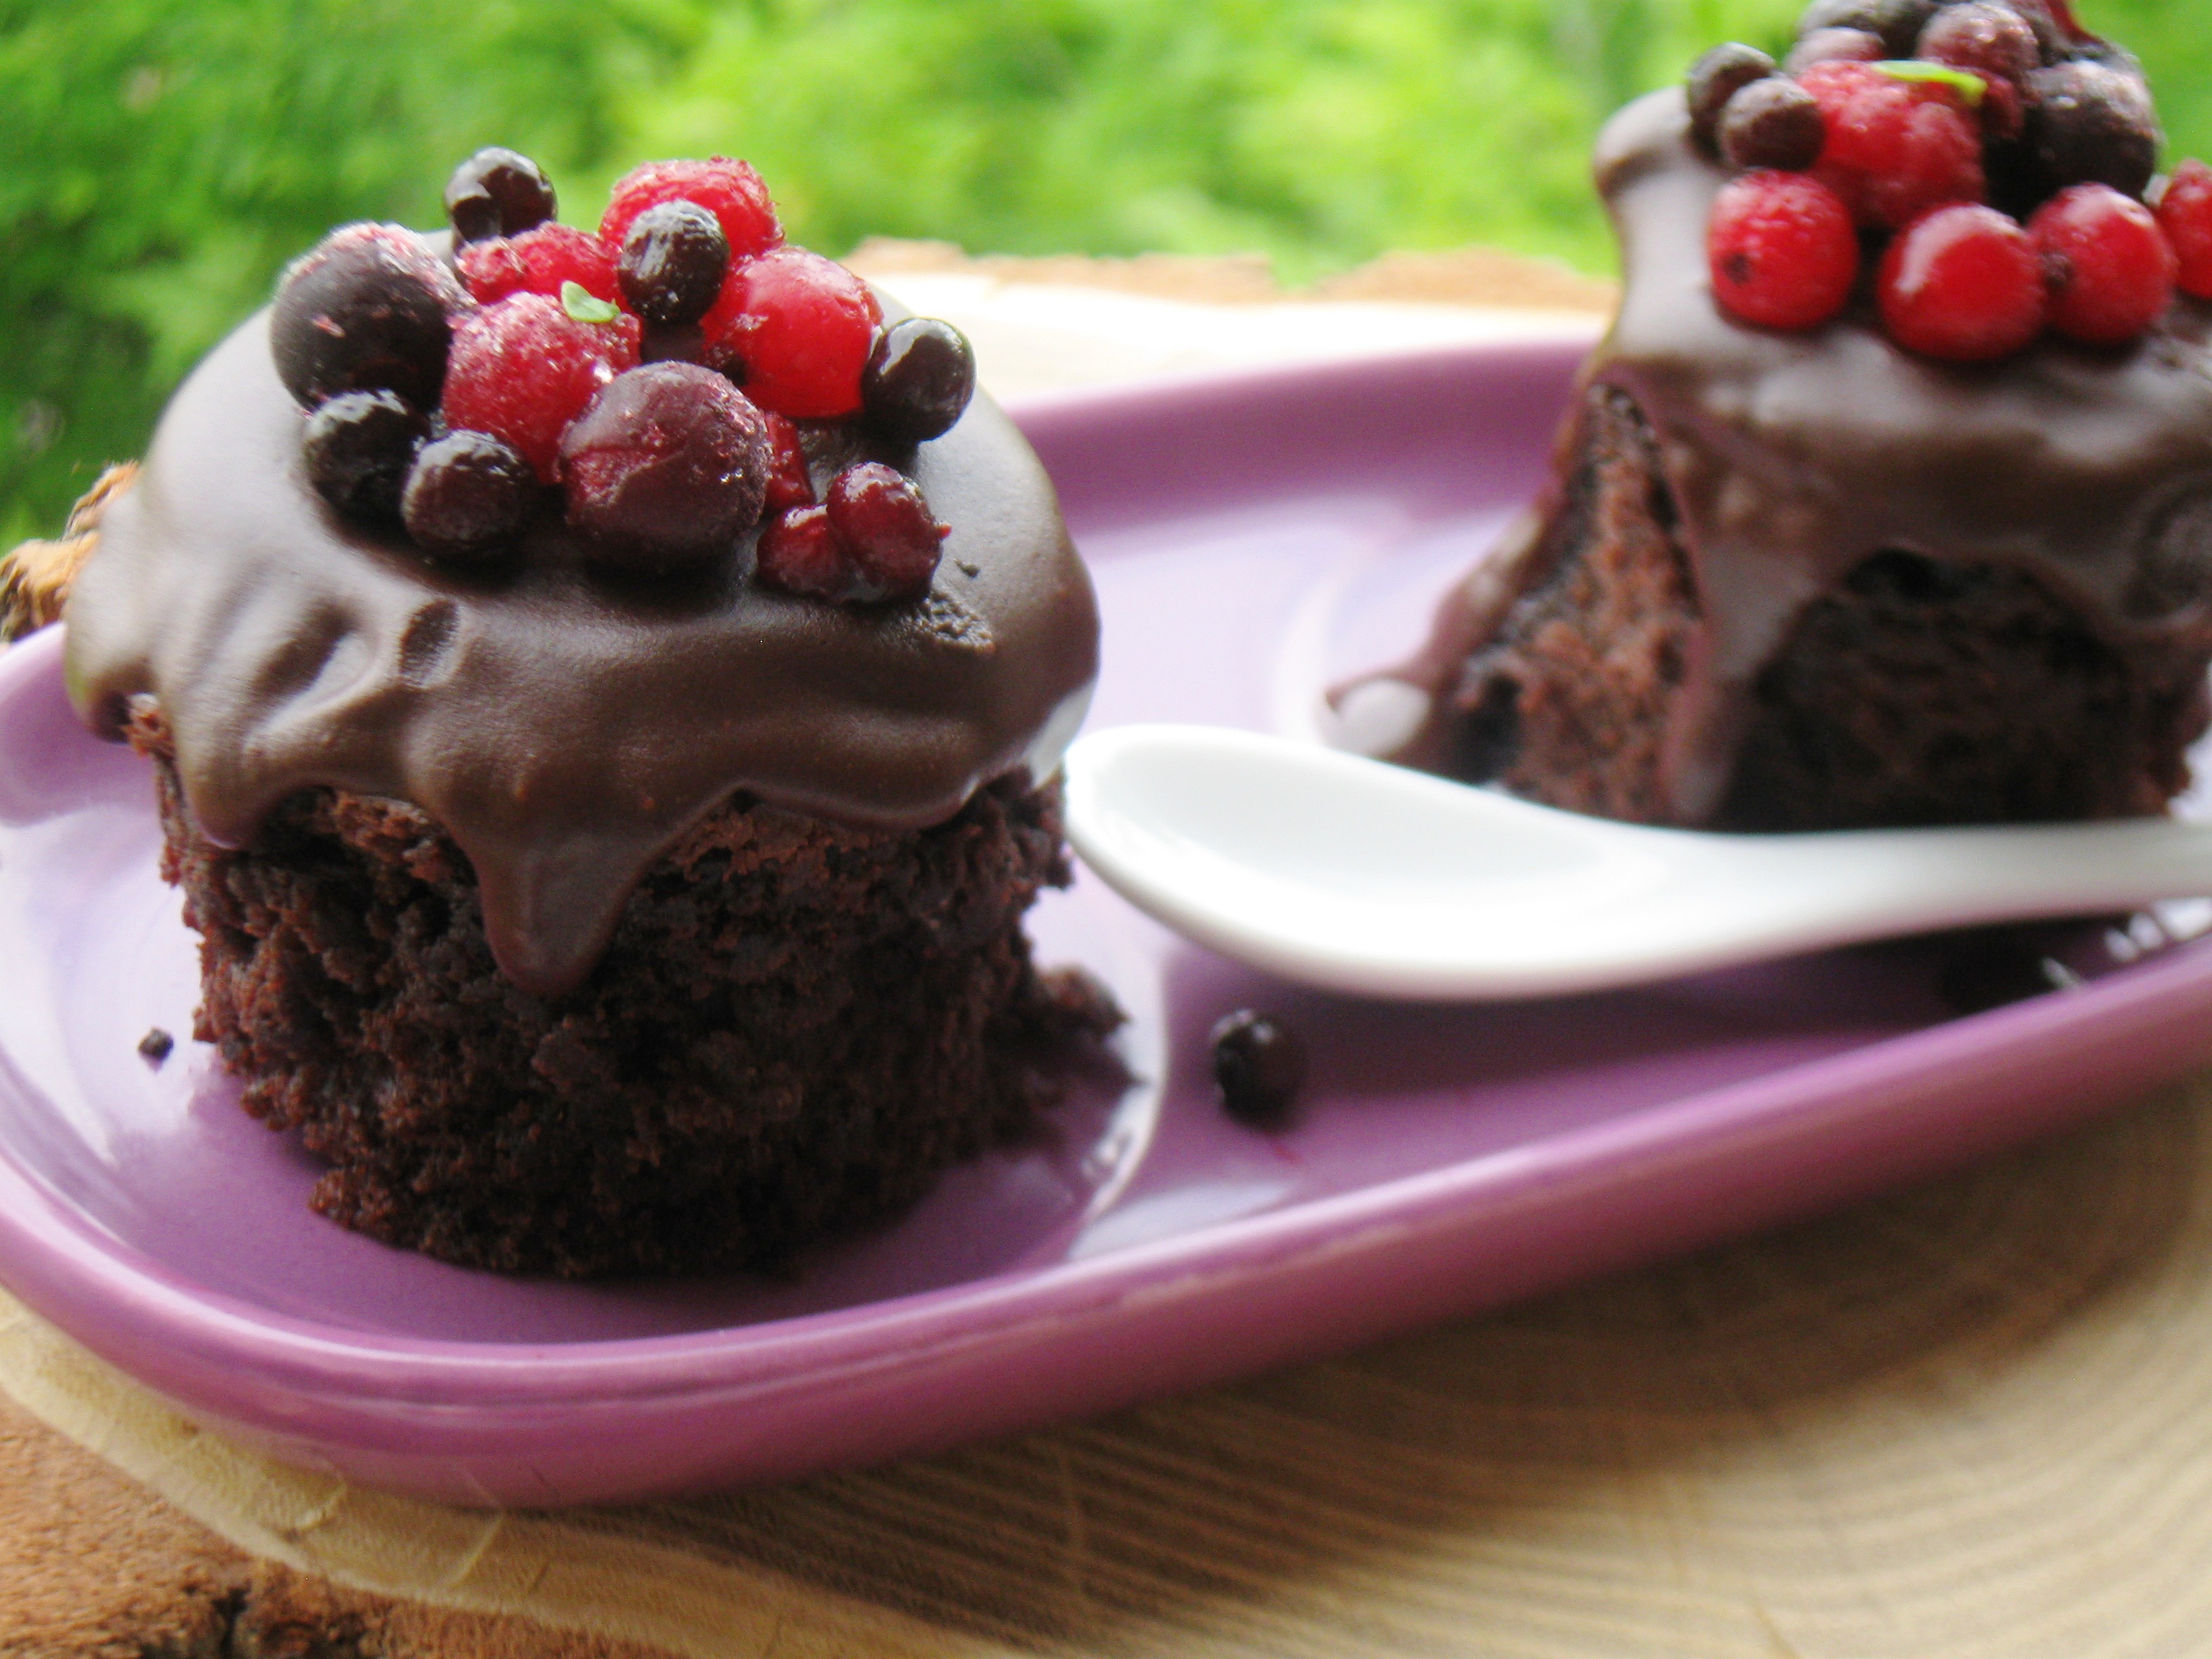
(155, 1046)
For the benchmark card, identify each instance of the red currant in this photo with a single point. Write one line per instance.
(2184, 214)
(2110, 267)
(799, 553)
(886, 529)
(1895, 147)
(522, 369)
(789, 484)
(1964, 283)
(794, 330)
(1782, 249)
(538, 262)
(729, 190)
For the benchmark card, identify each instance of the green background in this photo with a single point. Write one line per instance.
(160, 159)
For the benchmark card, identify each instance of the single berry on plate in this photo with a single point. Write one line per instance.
(919, 379)
(368, 309)
(538, 262)
(794, 330)
(468, 495)
(524, 368)
(1259, 1066)
(2109, 266)
(1774, 123)
(1964, 283)
(1716, 77)
(729, 190)
(886, 529)
(155, 1046)
(496, 192)
(2094, 125)
(799, 553)
(668, 467)
(2184, 214)
(1898, 22)
(789, 484)
(358, 446)
(1833, 46)
(1782, 250)
(1895, 147)
(672, 262)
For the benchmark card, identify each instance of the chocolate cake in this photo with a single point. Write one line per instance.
(592, 901)
(1810, 575)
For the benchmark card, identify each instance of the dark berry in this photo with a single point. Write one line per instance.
(668, 467)
(358, 446)
(799, 553)
(1833, 46)
(918, 380)
(469, 495)
(1898, 22)
(1714, 79)
(1895, 147)
(1995, 43)
(789, 484)
(1964, 283)
(155, 1046)
(1774, 123)
(2109, 266)
(538, 262)
(673, 262)
(369, 309)
(496, 192)
(1782, 248)
(524, 368)
(794, 330)
(1258, 1065)
(731, 191)
(886, 529)
(2094, 125)
(2184, 214)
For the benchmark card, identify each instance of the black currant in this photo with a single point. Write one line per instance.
(358, 446)
(1714, 79)
(1898, 22)
(496, 192)
(467, 495)
(918, 380)
(367, 309)
(673, 258)
(1259, 1065)
(2094, 125)
(1774, 123)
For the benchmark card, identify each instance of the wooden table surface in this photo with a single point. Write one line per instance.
(1970, 1419)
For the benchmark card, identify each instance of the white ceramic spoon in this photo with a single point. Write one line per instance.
(1339, 871)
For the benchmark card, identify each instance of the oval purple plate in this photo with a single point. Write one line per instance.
(1253, 537)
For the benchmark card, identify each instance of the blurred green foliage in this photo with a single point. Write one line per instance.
(164, 157)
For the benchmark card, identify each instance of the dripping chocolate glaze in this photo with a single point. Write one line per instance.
(565, 728)
(1792, 457)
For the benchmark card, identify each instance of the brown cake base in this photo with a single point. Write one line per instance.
(1917, 691)
(797, 1027)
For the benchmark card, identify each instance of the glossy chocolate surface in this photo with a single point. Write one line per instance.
(564, 724)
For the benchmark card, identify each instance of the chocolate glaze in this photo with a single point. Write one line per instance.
(564, 724)
(1793, 457)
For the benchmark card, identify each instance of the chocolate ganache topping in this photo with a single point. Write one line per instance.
(1792, 457)
(564, 722)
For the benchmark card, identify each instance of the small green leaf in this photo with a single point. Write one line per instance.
(585, 306)
(1972, 88)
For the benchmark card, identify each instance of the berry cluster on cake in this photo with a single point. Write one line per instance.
(1887, 499)
(605, 691)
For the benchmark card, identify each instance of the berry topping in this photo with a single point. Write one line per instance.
(358, 446)
(1964, 283)
(668, 465)
(496, 192)
(1714, 79)
(367, 309)
(524, 368)
(1896, 146)
(1258, 1065)
(1774, 123)
(673, 260)
(886, 529)
(1833, 46)
(1995, 43)
(2094, 125)
(1782, 250)
(731, 191)
(789, 484)
(2184, 214)
(919, 379)
(1898, 22)
(799, 553)
(468, 494)
(538, 262)
(795, 331)
(2109, 266)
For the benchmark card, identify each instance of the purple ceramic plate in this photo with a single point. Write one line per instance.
(1253, 537)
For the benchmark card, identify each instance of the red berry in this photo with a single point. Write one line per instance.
(1964, 283)
(799, 553)
(666, 467)
(794, 330)
(887, 530)
(2184, 214)
(789, 484)
(524, 368)
(1895, 147)
(731, 191)
(1782, 249)
(538, 262)
(2109, 266)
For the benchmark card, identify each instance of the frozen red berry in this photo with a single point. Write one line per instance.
(2184, 214)
(789, 484)
(1895, 146)
(538, 262)
(358, 446)
(672, 264)
(369, 309)
(467, 495)
(667, 467)
(524, 368)
(729, 190)
(2094, 125)
(886, 529)
(1715, 78)
(2109, 266)
(799, 553)
(794, 330)
(1782, 250)
(1774, 123)
(1963, 283)
(1833, 46)
(920, 378)
(496, 192)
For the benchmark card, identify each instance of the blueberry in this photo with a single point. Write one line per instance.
(1258, 1065)
(358, 446)
(367, 309)
(1774, 123)
(667, 467)
(467, 495)
(496, 192)
(919, 379)
(2094, 125)
(1714, 79)
(673, 258)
